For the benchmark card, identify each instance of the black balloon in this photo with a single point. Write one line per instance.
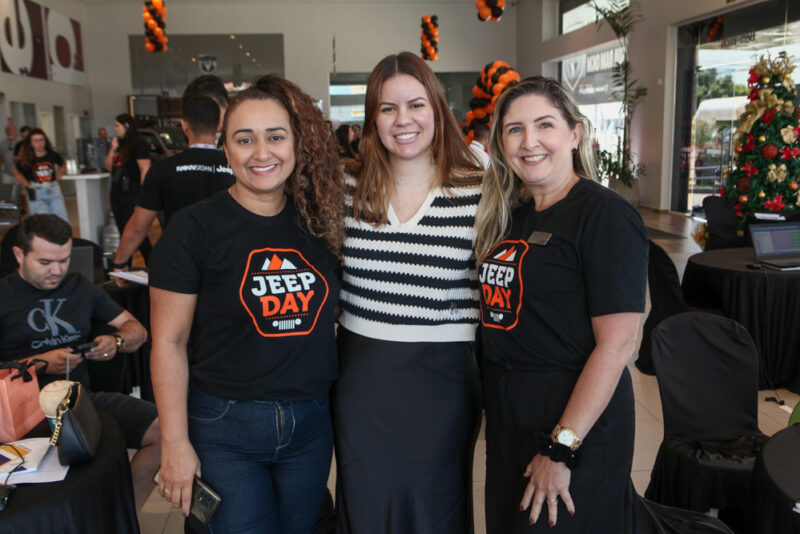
(497, 12)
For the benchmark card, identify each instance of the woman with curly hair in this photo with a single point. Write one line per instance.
(406, 401)
(243, 289)
(39, 170)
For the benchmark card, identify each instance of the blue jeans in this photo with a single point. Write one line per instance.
(269, 461)
(48, 200)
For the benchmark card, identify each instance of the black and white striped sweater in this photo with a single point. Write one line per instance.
(414, 281)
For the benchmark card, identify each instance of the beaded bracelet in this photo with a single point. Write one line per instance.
(556, 451)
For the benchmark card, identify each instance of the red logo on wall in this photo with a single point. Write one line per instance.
(28, 32)
(282, 292)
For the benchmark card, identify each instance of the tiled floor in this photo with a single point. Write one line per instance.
(158, 518)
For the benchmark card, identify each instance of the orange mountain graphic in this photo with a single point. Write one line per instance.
(276, 263)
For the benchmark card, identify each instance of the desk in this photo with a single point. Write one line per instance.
(94, 497)
(776, 484)
(91, 191)
(766, 302)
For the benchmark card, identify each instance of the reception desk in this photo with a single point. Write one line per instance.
(91, 191)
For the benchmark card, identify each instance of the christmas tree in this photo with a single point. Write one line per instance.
(766, 168)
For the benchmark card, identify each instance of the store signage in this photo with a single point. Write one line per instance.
(588, 76)
(736, 40)
(40, 43)
(207, 63)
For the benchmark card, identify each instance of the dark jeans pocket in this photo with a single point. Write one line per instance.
(323, 403)
(205, 407)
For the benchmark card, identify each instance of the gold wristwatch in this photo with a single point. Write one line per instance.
(120, 341)
(566, 436)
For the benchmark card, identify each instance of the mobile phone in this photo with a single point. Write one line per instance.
(205, 500)
(83, 347)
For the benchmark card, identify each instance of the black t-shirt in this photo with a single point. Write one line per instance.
(126, 178)
(184, 179)
(43, 169)
(33, 321)
(537, 300)
(263, 325)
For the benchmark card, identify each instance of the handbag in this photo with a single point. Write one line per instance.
(19, 400)
(77, 429)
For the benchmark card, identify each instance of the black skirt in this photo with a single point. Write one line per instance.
(406, 417)
(521, 403)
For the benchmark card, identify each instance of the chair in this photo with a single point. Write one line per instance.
(723, 224)
(666, 299)
(8, 262)
(648, 517)
(707, 370)
(9, 200)
(794, 419)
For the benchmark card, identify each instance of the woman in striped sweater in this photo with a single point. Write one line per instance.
(406, 404)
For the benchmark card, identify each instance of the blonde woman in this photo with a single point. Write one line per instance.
(563, 275)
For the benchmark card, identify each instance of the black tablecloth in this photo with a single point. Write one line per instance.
(776, 484)
(125, 370)
(95, 497)
(765, 301)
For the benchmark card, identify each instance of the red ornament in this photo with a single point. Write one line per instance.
(769, 151)
(744, 184)
(739, 149)
(743, 199)
(793, 186)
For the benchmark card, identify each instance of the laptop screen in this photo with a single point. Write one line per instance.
(776, 240)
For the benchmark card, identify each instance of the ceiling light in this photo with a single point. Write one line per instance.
(233, 36)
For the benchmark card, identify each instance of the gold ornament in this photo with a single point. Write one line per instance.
(788, 107)
(788, 134)
(765, 79)
(776, 174)
(762, 138)
(761, 194)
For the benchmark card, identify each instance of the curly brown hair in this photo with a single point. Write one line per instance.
(455, 165)
(315, 186)
(26, 153)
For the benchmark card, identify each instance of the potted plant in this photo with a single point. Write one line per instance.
(619, 166)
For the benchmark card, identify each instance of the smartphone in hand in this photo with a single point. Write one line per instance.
(82, 348)
(205, 500)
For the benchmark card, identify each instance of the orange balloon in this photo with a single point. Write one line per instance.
(164, 41)
(159, 33)
(479, 114)
(470, 115)
(435, 31)
(426, 19)
(434, 56)
(485, 12)
(151, 23)
(497, 89)
(164, 49)
(158, 4)
(150, 46)
(479, 4)
(490, 108)
(501, 3)
(426, 43)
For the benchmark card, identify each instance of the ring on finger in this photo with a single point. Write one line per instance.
(553, 500)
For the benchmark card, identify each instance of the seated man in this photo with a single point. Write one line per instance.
(44, 311)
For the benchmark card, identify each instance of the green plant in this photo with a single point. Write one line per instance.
(622, 18)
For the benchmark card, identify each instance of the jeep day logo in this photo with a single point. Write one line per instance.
(282, 292)
(501, 286)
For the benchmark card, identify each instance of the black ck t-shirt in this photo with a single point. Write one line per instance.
(33, 321)
(184, 179)
(43, 169)
(539, 291)
(263, 325)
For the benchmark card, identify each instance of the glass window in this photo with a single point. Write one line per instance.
(575, 14)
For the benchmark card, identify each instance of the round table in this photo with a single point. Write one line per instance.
(765, 301)
(94, 497)
(776, 484)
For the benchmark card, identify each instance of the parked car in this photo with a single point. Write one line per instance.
(163, 142)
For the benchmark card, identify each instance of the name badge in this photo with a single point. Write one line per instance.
(539, 238)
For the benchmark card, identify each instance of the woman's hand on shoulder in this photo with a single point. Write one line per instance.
(179, 466)
(548, 482)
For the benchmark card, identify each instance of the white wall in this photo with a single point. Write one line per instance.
(44, 93)
(365, 32)
(652, 51)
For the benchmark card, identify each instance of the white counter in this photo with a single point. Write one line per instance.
(91, 191)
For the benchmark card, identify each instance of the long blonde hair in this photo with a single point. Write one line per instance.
(502, 189)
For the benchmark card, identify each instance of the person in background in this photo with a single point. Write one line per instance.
(211, 86)
(44, 311)
(344, 135)
(563, 275)
(39, 169)
(23, 132)
(406, 403)
(128, 161)
(184, 179)
(243, 287)
(356, 137)
(480, 143)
